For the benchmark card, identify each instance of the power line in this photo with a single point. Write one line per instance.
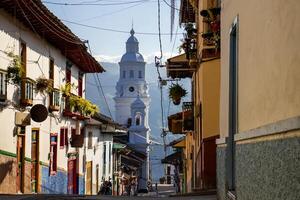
(114, 30)
(117, 11)
(92, 4)
(171, 5)
(96, 78)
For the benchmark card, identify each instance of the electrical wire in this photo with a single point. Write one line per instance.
(49, 26)
(96, 77)
(171, 6)
(111, 13)
(114, 30)
(92, 4)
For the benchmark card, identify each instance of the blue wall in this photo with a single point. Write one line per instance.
(81, 184)
(54, 184)
(58, 184)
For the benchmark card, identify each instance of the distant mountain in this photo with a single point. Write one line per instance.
(108, 81)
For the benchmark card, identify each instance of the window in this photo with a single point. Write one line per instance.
(129, 121)
(140, 74)
(124, 74)
(51, 69)
(63, 139)
(233, 105)
(68, 72)
(23, 58)
(104, 159)
(53, 154)
(90, 140)
(131, 75)
(80, 76)
(27, 91)
(3, 86)
(138, 119)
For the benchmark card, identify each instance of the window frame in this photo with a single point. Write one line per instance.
(3, 85)
(53, 155)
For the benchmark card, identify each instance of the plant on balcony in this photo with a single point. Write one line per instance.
(82, 106)
(176, 92)
(191, 31)
(66, 89)
(43, 85)
(14, 69)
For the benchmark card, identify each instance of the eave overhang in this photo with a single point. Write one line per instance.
(179, 67)
(36, 16)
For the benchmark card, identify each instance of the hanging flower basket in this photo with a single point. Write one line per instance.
(176, 92)
(43, 85)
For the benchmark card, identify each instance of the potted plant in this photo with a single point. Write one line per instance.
(14, 69)
(43, 84)
(176, 92)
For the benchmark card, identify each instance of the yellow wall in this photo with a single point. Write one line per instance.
(268, 61)
(211, 97)
(188, 162)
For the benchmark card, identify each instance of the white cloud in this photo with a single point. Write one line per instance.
(149, 58)
(107, 58)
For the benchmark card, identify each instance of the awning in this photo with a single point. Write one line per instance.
(175, 158)
(178, 67)
(118, 146)
(179, 143)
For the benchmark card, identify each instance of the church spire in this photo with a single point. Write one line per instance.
(132, 44)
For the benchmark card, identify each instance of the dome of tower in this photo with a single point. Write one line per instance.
(138, 103)
(132, 50)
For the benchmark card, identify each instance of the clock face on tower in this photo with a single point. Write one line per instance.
(131, 89)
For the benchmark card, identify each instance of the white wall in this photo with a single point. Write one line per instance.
(37, 50)
(96, 156)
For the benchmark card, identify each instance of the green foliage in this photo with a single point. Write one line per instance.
(176, 92)
(83, 106)
(44, 85)
(14, 69)
(66, 89)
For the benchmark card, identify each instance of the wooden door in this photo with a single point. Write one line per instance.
(209, 162)
(34, 160)
(89, 179)
(72, 176)
(21, 161)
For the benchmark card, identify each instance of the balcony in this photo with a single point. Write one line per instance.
(179, 67)
(77, 140)
(175, 123)
(79, 108)
(211, 34)
(27, 87)
(54, 100)
(187, 116)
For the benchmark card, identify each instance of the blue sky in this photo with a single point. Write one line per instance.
(109, 46)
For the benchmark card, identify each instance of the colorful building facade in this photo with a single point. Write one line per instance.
(42, 133)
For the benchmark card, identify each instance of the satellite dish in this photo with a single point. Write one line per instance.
(39, 113)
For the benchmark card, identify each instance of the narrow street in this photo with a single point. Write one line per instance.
(165, 192)
(64, 197)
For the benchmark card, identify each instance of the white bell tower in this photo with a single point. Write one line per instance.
(132, 101)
